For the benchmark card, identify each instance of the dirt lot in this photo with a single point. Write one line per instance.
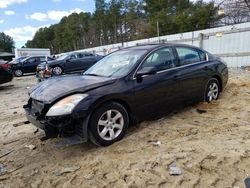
(211, 149)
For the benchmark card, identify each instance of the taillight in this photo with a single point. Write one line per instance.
(5, 66)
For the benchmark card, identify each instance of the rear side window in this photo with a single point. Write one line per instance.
(189, 55)
(42, 59)
(89, 55)
(80, 56)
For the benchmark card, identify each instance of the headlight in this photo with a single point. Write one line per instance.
(66, 105)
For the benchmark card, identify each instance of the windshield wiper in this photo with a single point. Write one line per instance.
(91, 74)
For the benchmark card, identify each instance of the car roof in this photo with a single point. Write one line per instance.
(35, 56)
(157, 45)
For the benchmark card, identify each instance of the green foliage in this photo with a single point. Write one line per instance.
(6, 43)
(117, 21)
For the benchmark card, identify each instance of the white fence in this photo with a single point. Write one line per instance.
(231, 43)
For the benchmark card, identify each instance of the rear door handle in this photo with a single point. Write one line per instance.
(206, 68)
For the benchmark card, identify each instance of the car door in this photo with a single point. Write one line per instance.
(87, 61)
(193, 72)
(72, 63)
(29, 66)
(40, 59)
(156, 94)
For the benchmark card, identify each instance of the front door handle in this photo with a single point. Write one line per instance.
(176, 77)
(206, 68)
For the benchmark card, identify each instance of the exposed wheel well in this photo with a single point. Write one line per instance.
(219, 80)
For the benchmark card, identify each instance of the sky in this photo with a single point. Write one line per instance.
(20, 19)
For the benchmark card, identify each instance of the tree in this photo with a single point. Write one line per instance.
(176, 16)
(6, 43)
(99, 19)
(118, 21)
(237, 11)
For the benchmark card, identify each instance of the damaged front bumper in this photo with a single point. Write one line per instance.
(74, 125)
(41, 124)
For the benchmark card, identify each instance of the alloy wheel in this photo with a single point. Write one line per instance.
(110, 125)
(213, 91)
(18, 73)
(57, 70)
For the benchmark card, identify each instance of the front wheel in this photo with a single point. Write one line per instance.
(57, 70)
(108, 124)
(213, 90)
(18, 73)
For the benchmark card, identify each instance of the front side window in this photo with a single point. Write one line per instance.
(80, 56)
(73, 57)
(203, 56)
(188, 55)
(31, 60)
(162, 59)
(63, 57)
(42, 59)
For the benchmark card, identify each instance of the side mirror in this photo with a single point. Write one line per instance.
(146, 71)
(69, 59)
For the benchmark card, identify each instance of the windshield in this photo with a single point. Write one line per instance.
(20, 58)
(117, 64)
(24, 59)
(62, 57)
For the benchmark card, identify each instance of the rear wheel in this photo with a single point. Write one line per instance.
(108, 124)
(212, 90)
(18, 73)
(57, 70)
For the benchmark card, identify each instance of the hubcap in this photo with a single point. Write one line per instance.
(18, 73)
(110, 125)
(57, 70)
(213, 92)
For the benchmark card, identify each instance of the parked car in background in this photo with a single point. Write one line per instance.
(73, 62)
(4, 64)
(18, 60)
(28, 65)
(5, 74)
(127, 86)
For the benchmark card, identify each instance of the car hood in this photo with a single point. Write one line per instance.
(55, 62)
(56, 88)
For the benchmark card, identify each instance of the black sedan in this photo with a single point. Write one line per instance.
(73, 62)
(28, 65)
(125, 87)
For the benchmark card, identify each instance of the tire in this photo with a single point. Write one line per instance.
(212, 90)
(108, 124)
(57, 70)
(18, 73)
